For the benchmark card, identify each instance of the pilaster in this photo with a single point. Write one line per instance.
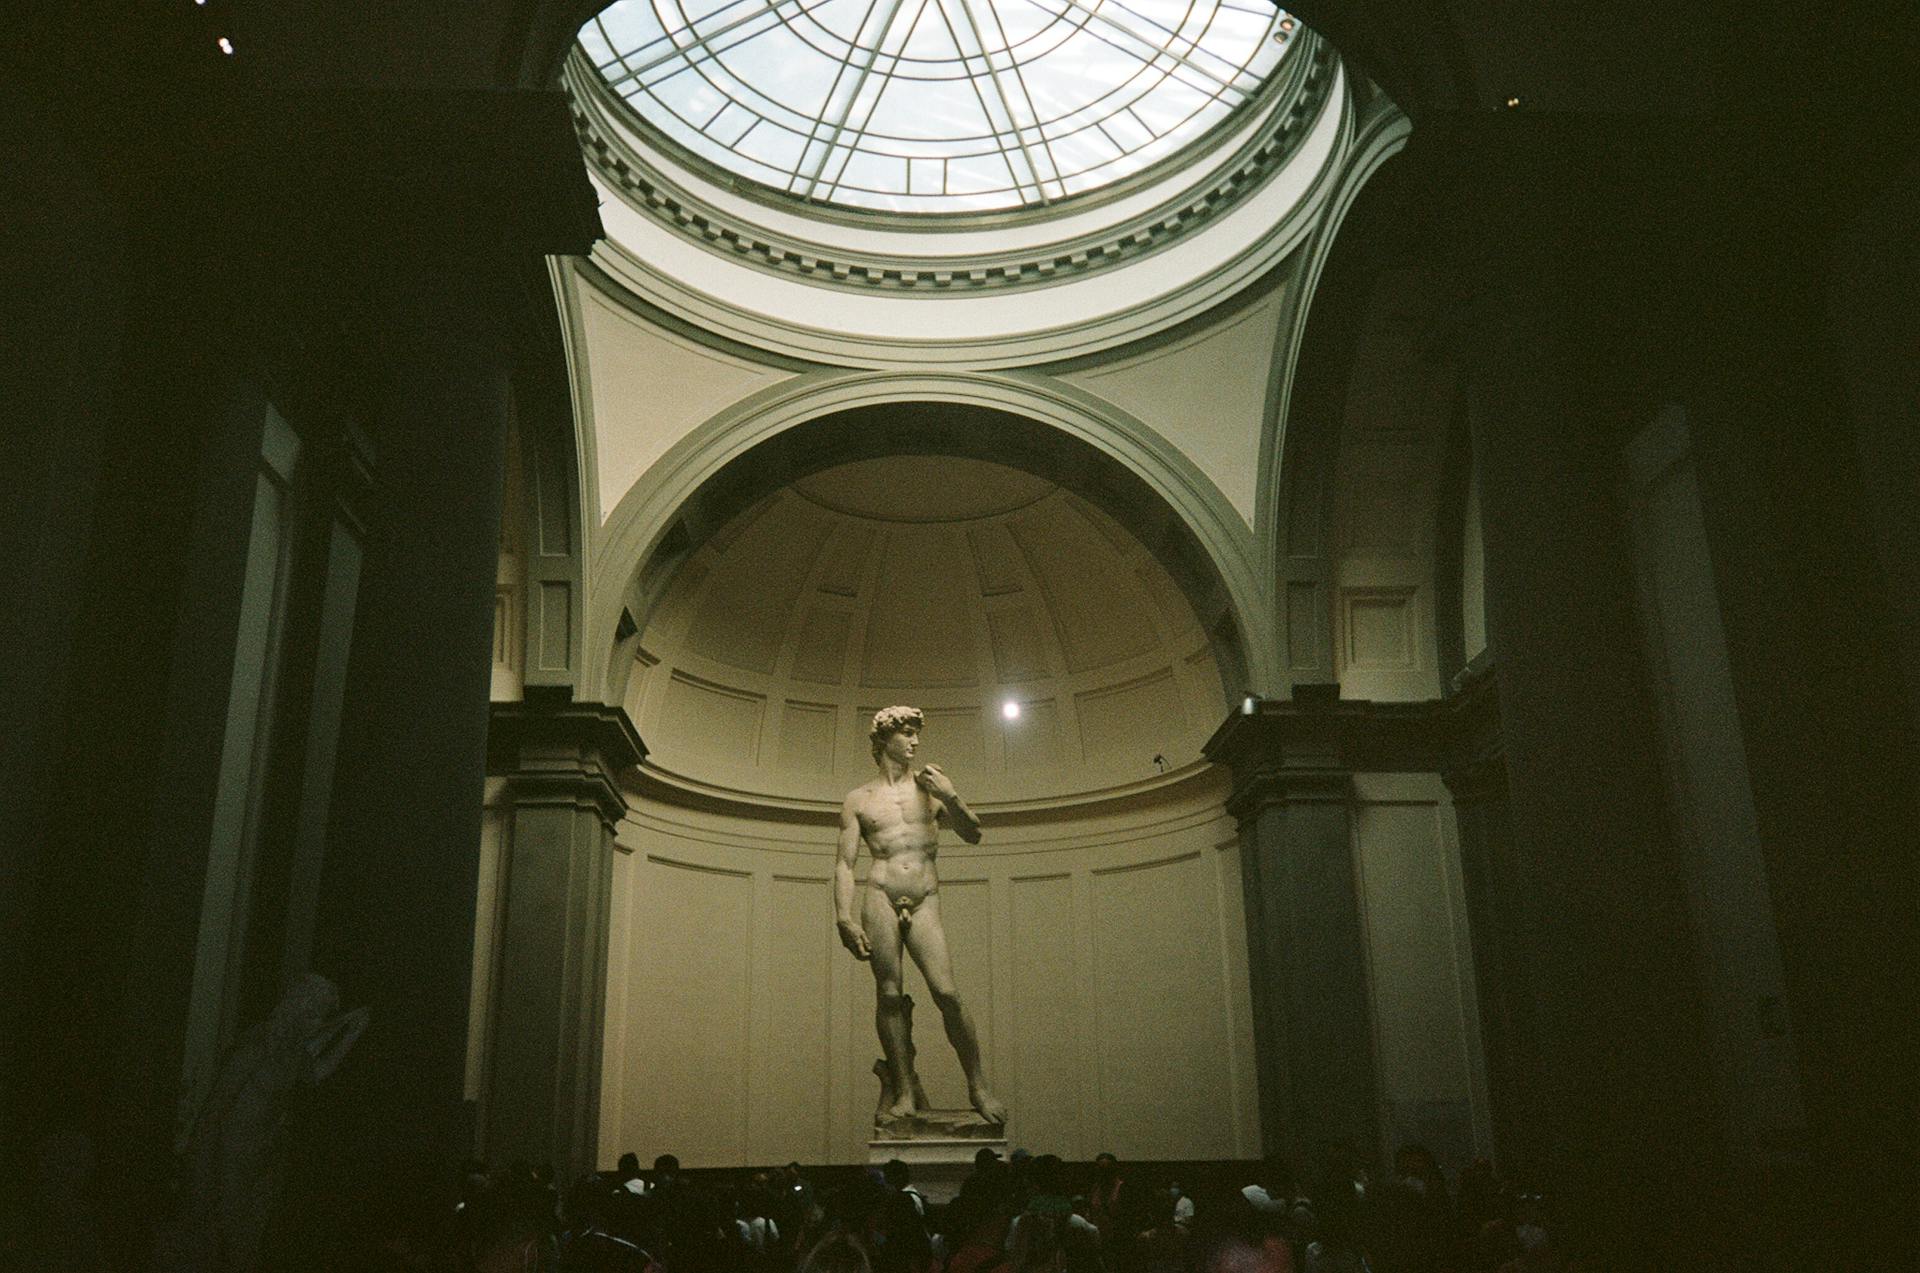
(1313, 1030)
(1293, 765)
(560, 762)
(1475, 773)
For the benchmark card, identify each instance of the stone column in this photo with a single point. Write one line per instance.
(560, 763)
(1313, 1026)
(1591, 892)
(1802, 416)
(394, 923)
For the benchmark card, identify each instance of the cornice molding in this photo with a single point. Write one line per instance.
(764, 310)
(563, 753)
(1306, 750)
(648, 185)
(665, 786)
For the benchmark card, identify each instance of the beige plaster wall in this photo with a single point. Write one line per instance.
(1205, 393)
(647, 387)
(1103, 954)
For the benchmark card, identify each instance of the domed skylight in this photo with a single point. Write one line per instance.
(936, 105)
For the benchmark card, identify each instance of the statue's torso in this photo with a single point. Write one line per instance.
(897, 821)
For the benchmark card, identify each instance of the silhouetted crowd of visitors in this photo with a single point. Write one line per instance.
(1027, 1214)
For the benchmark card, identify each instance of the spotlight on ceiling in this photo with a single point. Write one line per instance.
(1010, 709)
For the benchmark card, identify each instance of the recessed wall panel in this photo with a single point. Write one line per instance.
(1125, 726)
(1306, 619)
(749, 599)
(1379, 627)
(820, 648)
(1162, 1045)
(1033, 741)
(1047, 1047)
(913, 636)
(791, 1058)
(845, 558)
(1019, 654)
(952, 740)
(996, 561)
(806, 737)
(1099, 611)
(687, 1025)
(716, 722)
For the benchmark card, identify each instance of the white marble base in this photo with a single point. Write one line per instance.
(938, 1147)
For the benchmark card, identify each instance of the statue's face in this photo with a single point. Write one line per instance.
(902, 743)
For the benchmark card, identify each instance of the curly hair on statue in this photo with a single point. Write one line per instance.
(889, 721)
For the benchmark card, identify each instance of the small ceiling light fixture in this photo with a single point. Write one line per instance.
(1249, 705)
(1513, 103)
(226, 46)
(1010, 709)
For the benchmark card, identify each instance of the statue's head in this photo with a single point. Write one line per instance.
(891, 721)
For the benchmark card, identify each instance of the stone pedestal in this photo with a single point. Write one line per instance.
(938, 1148)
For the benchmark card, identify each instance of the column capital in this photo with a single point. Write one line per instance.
(1267, 787)
(1315, 732)
(1306, 749)
(564, 751)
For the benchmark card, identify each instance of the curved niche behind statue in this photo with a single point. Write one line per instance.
(1097, 928)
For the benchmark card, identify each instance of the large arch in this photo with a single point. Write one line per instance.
(819, 420)
(1305, 395)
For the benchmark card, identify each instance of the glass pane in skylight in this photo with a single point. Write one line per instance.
(936, 105)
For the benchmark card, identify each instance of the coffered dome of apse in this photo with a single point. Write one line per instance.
(1054, 656)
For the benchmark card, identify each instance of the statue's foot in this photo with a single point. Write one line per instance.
(903, 1107)
(986, 1106)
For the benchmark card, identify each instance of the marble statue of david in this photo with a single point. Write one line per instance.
(898, 814)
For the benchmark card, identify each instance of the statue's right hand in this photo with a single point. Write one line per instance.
(854, 940)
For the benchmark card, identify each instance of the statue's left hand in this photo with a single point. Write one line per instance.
(935, 783)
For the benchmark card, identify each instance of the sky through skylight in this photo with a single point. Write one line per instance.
(936, 105)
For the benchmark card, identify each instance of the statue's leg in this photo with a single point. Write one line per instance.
(890, 1015)
(918, 1092)
(883, 1072)
(926, 941)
